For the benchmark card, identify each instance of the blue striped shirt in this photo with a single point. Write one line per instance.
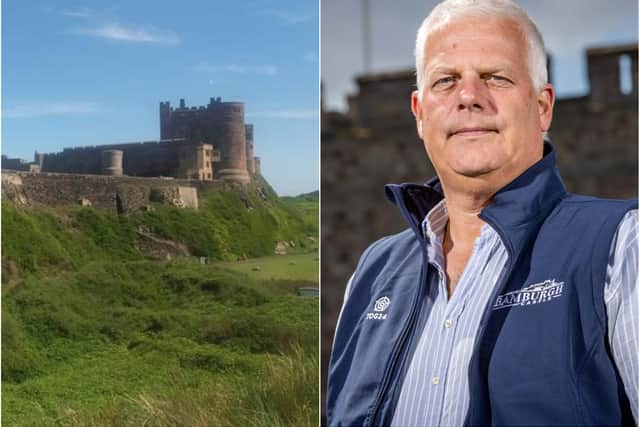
(435, 389)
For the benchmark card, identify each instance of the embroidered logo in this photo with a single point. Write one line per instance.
(381, 305)
(533, 294)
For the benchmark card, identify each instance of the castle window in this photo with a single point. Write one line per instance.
(626, 82)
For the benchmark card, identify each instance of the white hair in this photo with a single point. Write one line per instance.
(450, 10)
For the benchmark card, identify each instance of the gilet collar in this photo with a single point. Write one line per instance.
(516, 211)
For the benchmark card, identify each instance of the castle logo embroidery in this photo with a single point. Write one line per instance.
(380, 305)
(534, 294)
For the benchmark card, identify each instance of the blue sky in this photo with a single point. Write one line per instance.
(93, 72)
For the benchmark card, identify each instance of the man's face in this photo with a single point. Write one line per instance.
(480, 116)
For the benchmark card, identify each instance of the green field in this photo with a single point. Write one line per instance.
(295, 267)
(94, 332)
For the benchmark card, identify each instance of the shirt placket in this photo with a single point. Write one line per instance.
(447, 324)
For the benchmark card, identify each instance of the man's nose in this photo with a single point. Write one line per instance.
(471, 94)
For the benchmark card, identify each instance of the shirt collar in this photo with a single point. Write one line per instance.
(433, 229)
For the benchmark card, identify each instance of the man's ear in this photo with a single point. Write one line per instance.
(546, 99)
(416, 108)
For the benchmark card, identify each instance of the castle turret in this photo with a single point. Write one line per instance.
(256, 161)
(112, 162)
(229, 119)
(251, 167)
(165, 119)
(38, 159)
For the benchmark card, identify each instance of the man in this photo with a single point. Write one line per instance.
(508, 301)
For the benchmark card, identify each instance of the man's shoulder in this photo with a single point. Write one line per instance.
(596, 208)
(596, 202)
(586, 225)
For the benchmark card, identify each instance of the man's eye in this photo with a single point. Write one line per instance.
(444, 82)
(498, 80)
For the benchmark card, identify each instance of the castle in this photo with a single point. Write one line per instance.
(206, 143)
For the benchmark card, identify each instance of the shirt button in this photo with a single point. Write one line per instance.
(448, 323)
(435, 380)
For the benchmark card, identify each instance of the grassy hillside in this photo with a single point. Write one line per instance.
(228, 226)
(94, 332)
(307, 204)
(313, 196)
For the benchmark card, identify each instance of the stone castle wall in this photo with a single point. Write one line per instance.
(178, 159)
(375, 142)
(119, 194)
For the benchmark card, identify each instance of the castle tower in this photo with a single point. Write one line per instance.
(257, 163)
(38, 159)
(165, 119)
(220, 124)
(605, 71)
(251, 167)
(228, 118)
(112, 162)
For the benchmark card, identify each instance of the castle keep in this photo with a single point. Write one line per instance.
(203, 143)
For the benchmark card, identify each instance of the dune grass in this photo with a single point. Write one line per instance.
(116, 335)
(94, 333)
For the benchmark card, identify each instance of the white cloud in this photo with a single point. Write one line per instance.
(300, 113)
(269, 70)
(78, 13)
(286, 16)
(48, 109)
(134, 35)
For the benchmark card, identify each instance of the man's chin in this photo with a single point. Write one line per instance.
(473, 172)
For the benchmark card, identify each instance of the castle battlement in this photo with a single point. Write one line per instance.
(214, 104)
(176, 141)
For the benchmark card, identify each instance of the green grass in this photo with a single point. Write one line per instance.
(307, 205)
(293, 267)
(96, 333)
(110, 334)
(39, 240)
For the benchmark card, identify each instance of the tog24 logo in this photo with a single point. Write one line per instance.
(381, 305)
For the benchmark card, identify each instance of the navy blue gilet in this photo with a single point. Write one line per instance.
(533, 363)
